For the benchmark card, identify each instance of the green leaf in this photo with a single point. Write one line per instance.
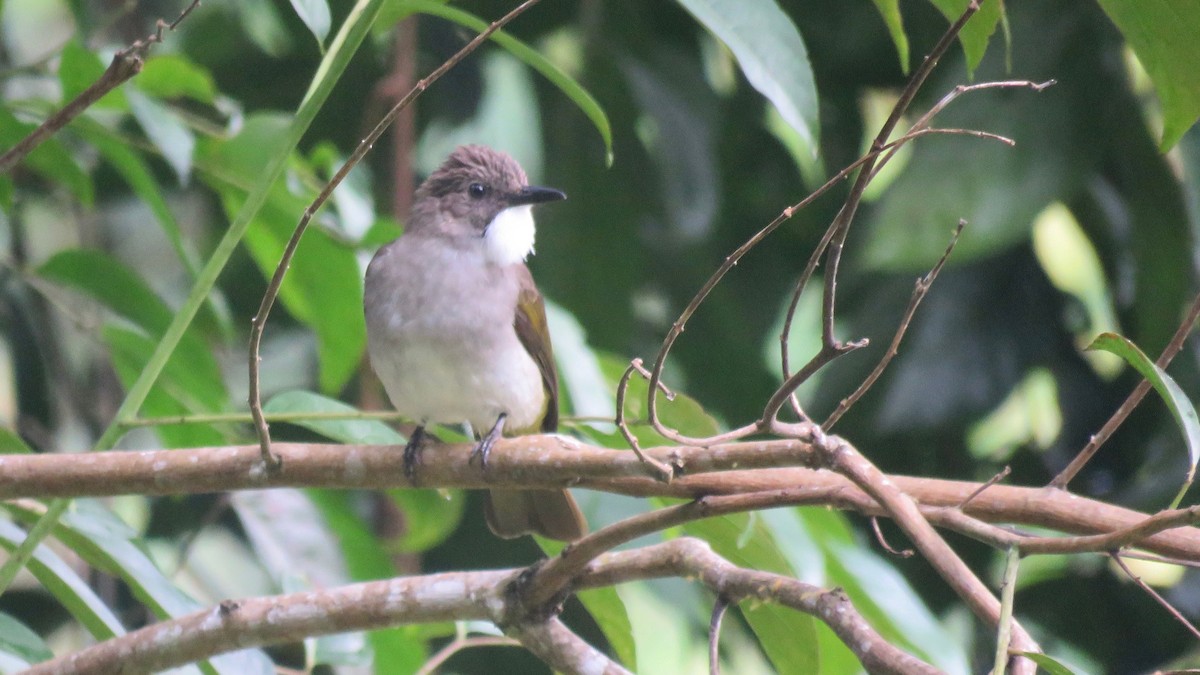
(398, 650)
(609, 613)
(1163, 35)
(166, 131)
(11, 443)
(434, 514)
(565, 83)
(118, 288)
(975, 35)
(315, 15)
(116, 150)
(890, 11)
(771, 53)
(788, 637)
(50, 159)
(20, 646)
(78, 69)
(323, 287)
(351, 431)
(71, 591)
(1047, 663)
(176, 76)
(106, 542)
(178, 392)
(1177, 401)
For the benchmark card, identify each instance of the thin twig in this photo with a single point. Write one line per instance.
(900, 553)
(1007, 591)
(1179, 617)
(727, 264)
(268, 300)
(714, 635)
(458, 644)
(124, 65)
(1127, 406)
(1003, 473)
(920, 289)
(665, 472)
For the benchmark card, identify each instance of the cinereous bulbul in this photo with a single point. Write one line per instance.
(457, 329)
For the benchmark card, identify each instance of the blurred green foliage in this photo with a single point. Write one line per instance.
(678, 130)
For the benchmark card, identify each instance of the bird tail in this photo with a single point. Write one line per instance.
(548, 513)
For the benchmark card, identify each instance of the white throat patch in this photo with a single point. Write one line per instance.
(508, 238)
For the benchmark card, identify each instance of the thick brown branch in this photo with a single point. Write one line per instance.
(483, 595)
(692, 558)
(763, 471)
(256, 622)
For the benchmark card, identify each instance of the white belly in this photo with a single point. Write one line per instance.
(444, 345)
(449, 382)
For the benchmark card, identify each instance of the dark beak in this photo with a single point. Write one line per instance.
(532, 194)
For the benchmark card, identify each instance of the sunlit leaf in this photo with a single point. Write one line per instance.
(315, 15)
(771, 53)
(323, 288)
(166, 131)
(788, 637)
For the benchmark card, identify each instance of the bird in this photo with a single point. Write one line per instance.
(457, 330)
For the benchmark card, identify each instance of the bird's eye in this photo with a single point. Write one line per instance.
(477, 190)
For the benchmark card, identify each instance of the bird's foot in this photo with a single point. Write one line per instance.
(412, 452)
(485, 444)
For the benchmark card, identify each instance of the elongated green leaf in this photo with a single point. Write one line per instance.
(323, 288)
(1177, 401)
(978, 31)
(771, 53)
(347, 431)
(178, 392)
(118, 288)
(315, 15)
(57, 577)
(19, 646)
(1163, 35)
(890, 11)
(573, 90)
(788, 637)
(105, 541)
